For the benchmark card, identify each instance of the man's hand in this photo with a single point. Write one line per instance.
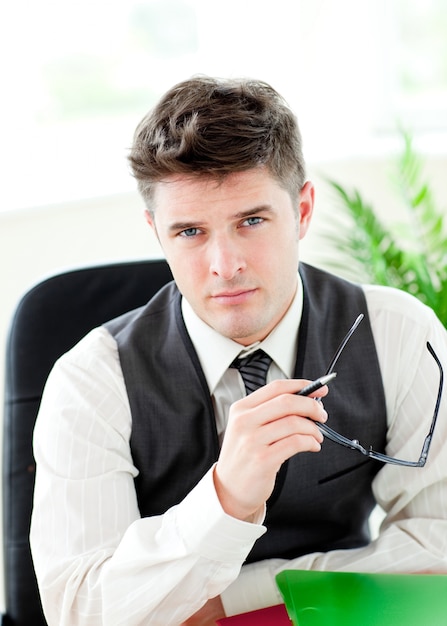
(207, 615)
(265, 429)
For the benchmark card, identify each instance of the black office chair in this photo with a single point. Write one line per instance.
(48, 321)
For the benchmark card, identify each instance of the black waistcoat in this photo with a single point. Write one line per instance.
(321, 501)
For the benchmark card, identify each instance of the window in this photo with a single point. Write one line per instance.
(415, 64)
(78, 77)
(81, 75)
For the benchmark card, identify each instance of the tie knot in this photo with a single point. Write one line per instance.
(253, 369)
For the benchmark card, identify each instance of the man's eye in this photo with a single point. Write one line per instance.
(252, 221)
(189, 232)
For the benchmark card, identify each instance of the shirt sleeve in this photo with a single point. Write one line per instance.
(413, 535)
(97, 561)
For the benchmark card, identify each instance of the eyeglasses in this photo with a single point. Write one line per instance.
(354, 444)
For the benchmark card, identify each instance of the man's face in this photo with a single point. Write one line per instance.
(233, 247)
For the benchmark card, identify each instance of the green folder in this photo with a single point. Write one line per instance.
(353, 599)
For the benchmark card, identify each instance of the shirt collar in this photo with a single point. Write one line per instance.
(280, 344)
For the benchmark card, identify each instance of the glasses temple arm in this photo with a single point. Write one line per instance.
(428, 438)
(342, 345)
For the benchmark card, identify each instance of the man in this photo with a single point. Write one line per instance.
(165, 494)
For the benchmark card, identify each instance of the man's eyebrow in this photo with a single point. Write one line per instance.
(262, 208)
(176, 226)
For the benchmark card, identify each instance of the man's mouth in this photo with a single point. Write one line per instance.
(237, 296)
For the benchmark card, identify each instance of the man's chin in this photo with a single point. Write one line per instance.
(245, 335)
(245, 326)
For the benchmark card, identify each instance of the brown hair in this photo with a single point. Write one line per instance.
(213, 127)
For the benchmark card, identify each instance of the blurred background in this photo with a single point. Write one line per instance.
(77, 77)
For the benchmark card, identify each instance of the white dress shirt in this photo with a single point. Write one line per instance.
(225, 383)
(98, 562)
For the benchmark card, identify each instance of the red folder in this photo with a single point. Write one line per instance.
(272, 616)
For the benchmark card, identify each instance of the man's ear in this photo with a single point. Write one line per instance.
(148, 216)
(306, 202)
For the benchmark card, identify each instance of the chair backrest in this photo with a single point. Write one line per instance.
(48, 321)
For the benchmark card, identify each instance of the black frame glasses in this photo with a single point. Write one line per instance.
(354, 444)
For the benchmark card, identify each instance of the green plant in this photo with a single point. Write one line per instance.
(409, 255)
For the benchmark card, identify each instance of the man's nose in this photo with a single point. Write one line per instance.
(226, 259)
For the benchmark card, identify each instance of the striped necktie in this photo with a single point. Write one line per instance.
(253, 369)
